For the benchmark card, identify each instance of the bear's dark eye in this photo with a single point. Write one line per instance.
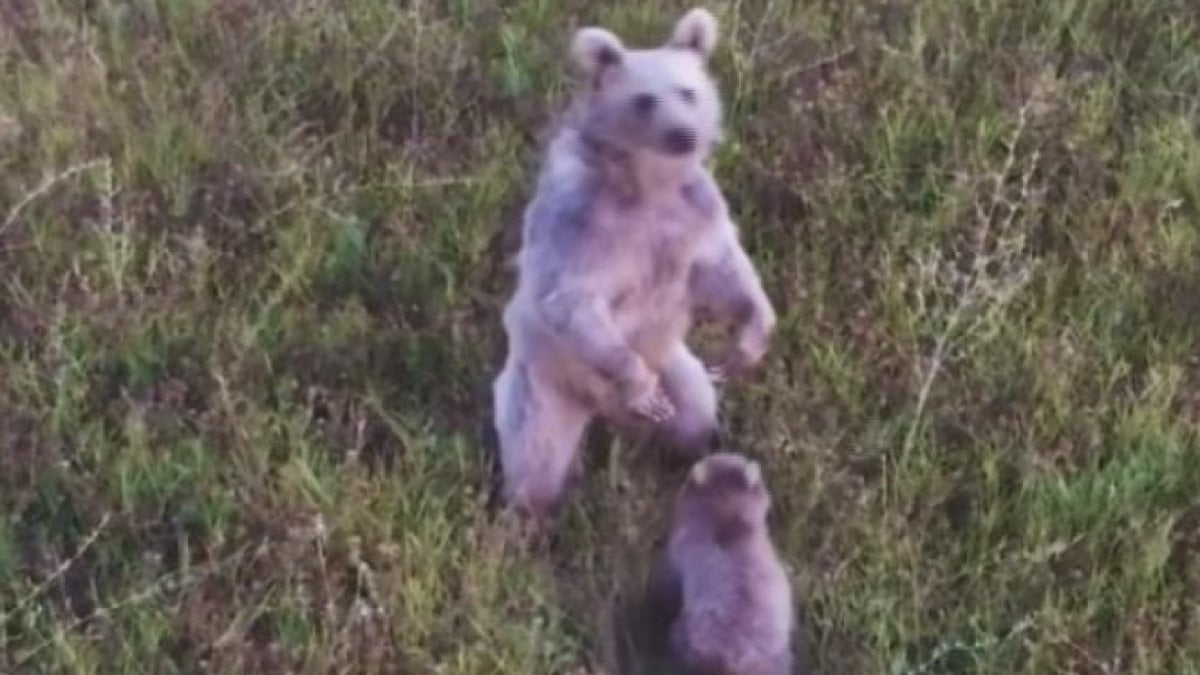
(644, 103)
(688, 94)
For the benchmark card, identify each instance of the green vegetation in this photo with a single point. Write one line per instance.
(252, 259)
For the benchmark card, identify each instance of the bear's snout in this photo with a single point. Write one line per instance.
(680, 141)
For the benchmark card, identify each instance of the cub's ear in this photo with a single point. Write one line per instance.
(753, 474)
(596, 49)
(696, 31)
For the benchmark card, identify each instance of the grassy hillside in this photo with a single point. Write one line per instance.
(253, 254)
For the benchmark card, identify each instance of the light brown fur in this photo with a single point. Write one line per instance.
(627, 235)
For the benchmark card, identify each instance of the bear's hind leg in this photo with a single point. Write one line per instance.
(694, 428)
(540, 429)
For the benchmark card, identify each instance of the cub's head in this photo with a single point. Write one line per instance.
(725, 492)
(660, 100)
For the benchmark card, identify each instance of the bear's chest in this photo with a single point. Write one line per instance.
(668, 240)
(657, 254)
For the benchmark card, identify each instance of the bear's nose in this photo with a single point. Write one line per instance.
(680, 141)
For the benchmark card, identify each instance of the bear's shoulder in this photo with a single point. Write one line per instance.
(561, 212)
(702, 194)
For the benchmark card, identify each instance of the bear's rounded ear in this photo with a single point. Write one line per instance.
(596, 49)
(753, 474)
(696, 31)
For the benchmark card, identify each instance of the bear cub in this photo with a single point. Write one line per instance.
(720, 591)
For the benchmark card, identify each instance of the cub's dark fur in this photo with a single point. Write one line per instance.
(720, 590)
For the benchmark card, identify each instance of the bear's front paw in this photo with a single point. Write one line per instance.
(655, 406)
(643, 395)
(736, 362)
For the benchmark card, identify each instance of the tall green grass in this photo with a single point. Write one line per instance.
(252, 259)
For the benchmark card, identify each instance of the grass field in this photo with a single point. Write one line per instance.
(252, 260)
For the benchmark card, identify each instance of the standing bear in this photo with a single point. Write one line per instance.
(627, 237)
